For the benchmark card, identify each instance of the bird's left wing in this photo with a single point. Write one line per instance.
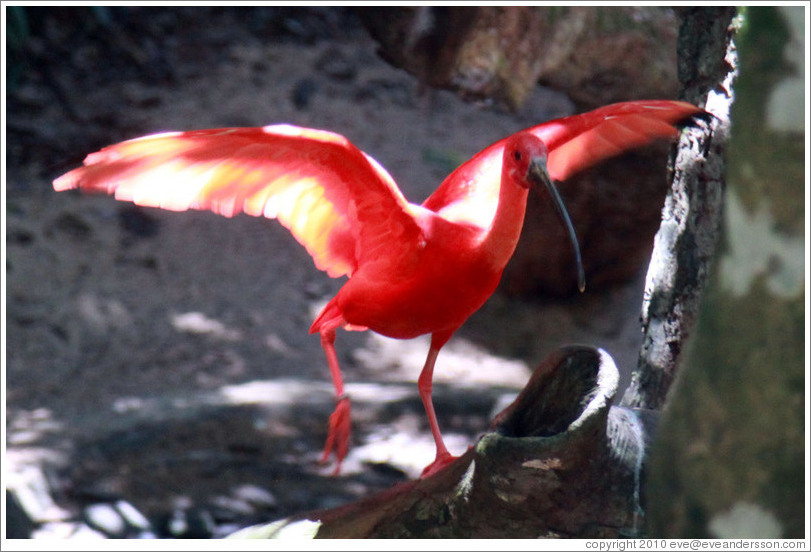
(335, 199)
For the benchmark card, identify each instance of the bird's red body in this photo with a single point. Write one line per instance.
(412, 269)
(416, 286)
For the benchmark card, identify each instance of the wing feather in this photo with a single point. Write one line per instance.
(470, 193)
(332, 197)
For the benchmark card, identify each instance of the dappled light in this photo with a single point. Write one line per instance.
(29, 427)
(461, 364)
(199, 323)
(407, 451)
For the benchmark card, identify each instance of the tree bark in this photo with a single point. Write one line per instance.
(691, 218)
(729, 459)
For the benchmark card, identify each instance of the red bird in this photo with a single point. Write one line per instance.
(413, 269)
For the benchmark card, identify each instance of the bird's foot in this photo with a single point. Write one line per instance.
(338, 437)
(442, 460)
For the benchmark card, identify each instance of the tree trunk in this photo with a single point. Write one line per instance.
(729, 458)
(691, 218)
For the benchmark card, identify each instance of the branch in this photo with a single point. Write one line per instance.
(691, 219)
(559, 461)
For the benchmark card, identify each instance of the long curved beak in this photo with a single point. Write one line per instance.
(539, 175)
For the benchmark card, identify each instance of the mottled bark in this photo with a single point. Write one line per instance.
(691, 218)
(729, 457)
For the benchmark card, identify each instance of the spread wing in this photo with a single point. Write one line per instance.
(337, 201)
(470, 193)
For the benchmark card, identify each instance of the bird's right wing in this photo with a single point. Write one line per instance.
(580, 141)
(470, 193)
(336, 200)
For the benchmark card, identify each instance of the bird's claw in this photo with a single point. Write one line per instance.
(442, 460)
(338, 437)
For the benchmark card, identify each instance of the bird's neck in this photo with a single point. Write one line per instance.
(502, 236)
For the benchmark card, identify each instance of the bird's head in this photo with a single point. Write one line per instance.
(525, 158)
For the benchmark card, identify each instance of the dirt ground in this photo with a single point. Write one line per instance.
(163, 358)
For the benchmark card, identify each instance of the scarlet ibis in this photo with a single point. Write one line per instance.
(412, 269)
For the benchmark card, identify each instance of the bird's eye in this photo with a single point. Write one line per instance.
(517, 155)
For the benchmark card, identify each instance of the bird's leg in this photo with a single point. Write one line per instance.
(426, 386)
(339, 427)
